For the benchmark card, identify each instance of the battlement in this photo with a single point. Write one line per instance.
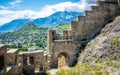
(111, 1)
(85, 26)
(66, 34)
(80, 18)
(92, 20)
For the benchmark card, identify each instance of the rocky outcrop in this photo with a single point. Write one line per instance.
(105, 47)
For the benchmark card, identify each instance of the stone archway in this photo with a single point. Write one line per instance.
(63, 59)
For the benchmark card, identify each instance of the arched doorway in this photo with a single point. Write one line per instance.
(63, 59)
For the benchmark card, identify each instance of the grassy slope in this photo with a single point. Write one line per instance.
(63, 27)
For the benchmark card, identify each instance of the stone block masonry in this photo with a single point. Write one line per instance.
(13, 62)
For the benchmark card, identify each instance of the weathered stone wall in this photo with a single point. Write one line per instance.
(14, 67)
(37, 58)
(20, 65)
(12, 70)
(20, 68)
(12, 57)
(71, 48)
(14, 63)
(3, 66)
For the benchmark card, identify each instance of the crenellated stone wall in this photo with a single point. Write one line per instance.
(92, 21)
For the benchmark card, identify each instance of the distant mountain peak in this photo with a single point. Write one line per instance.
(29, 26)
(57, 18)
(46, 22)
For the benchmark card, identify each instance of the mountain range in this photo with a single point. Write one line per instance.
(46, 22)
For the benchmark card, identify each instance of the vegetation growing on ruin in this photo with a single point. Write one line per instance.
(88, 69)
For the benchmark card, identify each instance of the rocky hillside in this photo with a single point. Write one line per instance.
(105, 46)
(101, 55)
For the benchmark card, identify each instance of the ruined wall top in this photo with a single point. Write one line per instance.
(12, 51)
(109, 0)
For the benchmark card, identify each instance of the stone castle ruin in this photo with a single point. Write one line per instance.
(64, 47)
(13, 62)
(82, 30)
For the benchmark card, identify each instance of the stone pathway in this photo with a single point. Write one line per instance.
(53, 71)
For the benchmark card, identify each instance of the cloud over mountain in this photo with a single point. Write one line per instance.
(9, 15)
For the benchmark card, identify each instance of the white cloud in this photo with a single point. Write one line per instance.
(15, 2)
(66, 6)
(2, 7)
(11, 5)
(8, 15)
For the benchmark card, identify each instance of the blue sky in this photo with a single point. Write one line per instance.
(32, 9)
(30, 4)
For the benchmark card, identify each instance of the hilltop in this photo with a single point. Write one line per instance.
(26, 37)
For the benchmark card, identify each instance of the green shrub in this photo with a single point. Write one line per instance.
(116, 42)
(12, 46)
(105, 72)
(116, 65)
(23, 49)
(116, 56)
(99, 60)
(47, 72)
(96, 68)
(109, 63)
